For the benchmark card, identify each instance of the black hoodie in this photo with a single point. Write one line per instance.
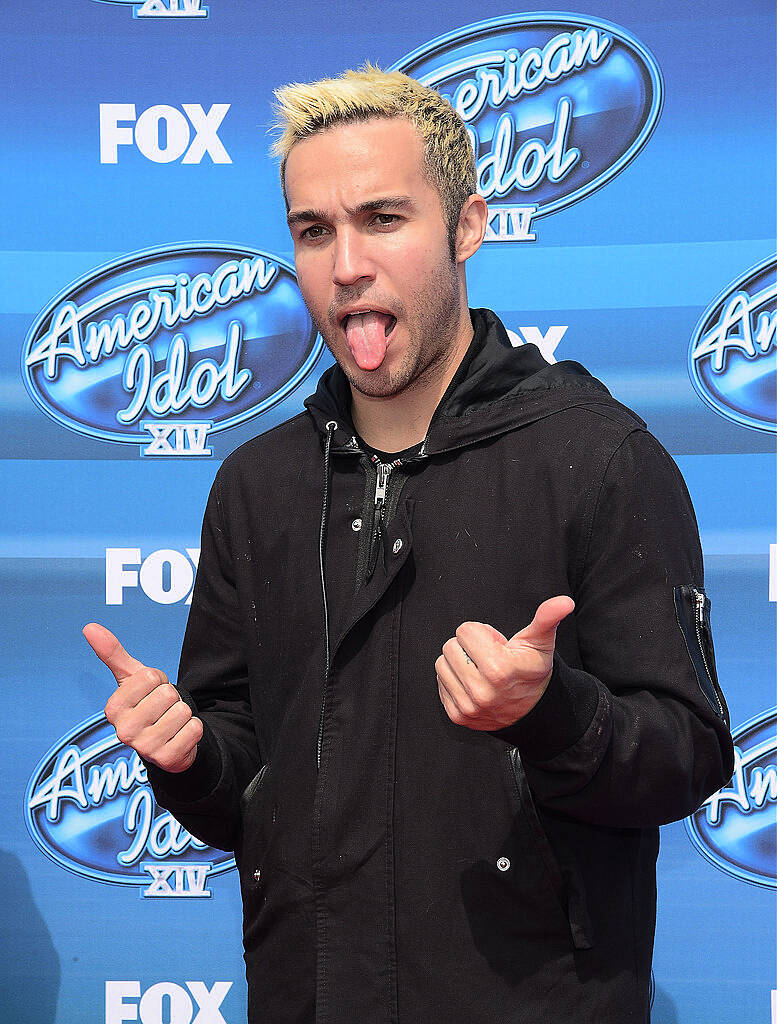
(396, 867)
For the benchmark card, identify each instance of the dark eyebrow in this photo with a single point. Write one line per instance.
(386, 203)
(370, 206)
(305, 215)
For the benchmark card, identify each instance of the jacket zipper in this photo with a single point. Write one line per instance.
(700, 601)
(331, 427)
(381, 484)
(383, 470)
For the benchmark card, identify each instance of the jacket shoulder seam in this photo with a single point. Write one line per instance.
(586, 545)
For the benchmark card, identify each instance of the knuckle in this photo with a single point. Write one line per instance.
(111, 711)
(484, 700)
(468, 709)
(169, 692)
(146, 751)
(125, 735)
(455, 715)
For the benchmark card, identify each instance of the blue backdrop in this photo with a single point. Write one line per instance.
(628, 152)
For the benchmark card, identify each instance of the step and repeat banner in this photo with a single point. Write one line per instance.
(150, 322)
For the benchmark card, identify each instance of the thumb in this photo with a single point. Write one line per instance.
(541, 631)
(109, 650)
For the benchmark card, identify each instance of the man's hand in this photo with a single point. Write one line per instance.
(146, 710)
(486, 681)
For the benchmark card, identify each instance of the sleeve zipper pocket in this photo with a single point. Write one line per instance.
(692, 608)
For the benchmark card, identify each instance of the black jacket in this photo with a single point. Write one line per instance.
(396, 867)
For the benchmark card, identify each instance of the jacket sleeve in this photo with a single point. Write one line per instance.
(639, 735)
(212, 679)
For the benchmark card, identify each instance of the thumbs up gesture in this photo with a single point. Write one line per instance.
(486, 681)
(146, 710)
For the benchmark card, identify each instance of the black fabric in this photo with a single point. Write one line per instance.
(406, 453)
(429, 872)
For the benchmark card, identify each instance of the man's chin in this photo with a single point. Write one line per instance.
(373, 383)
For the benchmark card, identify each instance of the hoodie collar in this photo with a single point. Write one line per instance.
(497, 387)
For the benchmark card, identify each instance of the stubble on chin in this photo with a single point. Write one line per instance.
(426, 359)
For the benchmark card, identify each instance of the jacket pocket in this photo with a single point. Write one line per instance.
(692, 610)
(252, 789)
(566, 882)
(257, 817)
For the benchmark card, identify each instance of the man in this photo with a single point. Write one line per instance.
(462, 836)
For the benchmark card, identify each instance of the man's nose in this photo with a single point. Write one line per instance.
(352, 260)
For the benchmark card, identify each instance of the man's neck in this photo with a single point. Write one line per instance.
(396, 423)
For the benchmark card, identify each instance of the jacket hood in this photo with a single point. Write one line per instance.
(497, 387)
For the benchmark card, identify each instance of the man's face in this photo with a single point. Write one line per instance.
(372, 254)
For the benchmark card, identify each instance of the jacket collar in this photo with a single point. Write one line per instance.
(496, 388)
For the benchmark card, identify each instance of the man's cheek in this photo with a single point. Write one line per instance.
(309, 298)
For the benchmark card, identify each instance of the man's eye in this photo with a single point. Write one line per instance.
(313, 232)
(385, 220)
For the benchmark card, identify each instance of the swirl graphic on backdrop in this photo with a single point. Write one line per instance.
(736, 828)
(89, 807)
(732, 358)
(169, 345)
(556, 105)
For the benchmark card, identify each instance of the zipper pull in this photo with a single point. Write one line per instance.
(384, 472)
(699, 596)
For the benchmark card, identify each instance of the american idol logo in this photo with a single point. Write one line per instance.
(169, 345)
(89, 807)
(732, 358)
(556, 105)
(162, 8)
(736, 828)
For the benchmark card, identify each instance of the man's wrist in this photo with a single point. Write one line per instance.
(194, 782)
(559, 718)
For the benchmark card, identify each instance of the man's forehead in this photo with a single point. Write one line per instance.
(362, 157)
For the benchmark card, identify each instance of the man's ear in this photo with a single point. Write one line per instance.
(471, 227)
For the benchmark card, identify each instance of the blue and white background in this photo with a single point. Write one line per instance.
(150, 322)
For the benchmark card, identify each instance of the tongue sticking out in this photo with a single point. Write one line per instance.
(366, 334)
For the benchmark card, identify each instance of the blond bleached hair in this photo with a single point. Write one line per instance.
(303, 110)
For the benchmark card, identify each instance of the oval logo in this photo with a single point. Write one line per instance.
(170, 344)
(736, 828)
(89, 807)
(556, 105)
(731, 358)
